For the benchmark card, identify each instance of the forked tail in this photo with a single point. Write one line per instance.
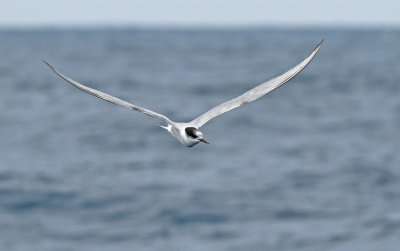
(168, 127)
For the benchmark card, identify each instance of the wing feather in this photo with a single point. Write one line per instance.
(110, 98)
(254, 93)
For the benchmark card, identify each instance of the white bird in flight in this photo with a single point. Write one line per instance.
(188, 133)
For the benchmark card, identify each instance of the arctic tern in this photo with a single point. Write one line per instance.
(188, 133)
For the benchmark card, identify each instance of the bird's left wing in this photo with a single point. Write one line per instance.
(110, 98)
(254, 93)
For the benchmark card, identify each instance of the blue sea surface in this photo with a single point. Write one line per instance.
(314, 165)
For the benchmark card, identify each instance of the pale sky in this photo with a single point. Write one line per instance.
(200, 12)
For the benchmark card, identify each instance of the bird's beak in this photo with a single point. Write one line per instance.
(205, 141)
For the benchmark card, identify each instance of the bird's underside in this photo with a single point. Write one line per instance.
(188, 133)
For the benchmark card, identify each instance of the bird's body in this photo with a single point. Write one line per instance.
(179, 132)
(188, 133)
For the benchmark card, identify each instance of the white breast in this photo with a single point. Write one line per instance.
(179, 133)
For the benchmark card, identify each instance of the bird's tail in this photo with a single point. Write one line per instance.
(168, 127)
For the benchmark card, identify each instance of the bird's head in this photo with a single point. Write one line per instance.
(195, 134)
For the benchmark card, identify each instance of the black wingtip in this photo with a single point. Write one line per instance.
(49, 65)
(320, 43)
(44, 61)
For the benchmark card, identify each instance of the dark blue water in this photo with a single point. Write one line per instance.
(314, 165)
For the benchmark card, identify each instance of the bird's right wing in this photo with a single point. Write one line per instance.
(255, 93)
(110, 98)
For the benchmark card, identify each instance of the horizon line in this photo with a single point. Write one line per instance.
(331, 26)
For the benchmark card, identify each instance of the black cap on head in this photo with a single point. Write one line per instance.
(191, 132)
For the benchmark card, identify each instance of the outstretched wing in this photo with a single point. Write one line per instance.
(110, 98)
(254, 93)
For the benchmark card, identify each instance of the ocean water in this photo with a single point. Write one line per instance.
(314, 165)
